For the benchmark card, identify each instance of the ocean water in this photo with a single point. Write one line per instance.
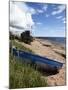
(59, 40)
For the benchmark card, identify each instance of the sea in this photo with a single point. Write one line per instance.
(57, 40)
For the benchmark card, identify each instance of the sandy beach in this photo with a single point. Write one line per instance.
(52, 51)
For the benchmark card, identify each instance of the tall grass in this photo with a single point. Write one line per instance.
(20, 46)
(22, 75)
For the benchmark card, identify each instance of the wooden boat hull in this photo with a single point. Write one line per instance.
(39, 61)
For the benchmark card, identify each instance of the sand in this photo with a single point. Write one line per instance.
(52, 51)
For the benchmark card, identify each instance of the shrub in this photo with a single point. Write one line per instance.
(26, 37)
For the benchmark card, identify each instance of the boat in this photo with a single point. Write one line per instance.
(39, 61)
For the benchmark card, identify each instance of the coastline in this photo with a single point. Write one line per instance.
(52, 51)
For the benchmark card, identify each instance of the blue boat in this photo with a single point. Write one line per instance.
(41, 62)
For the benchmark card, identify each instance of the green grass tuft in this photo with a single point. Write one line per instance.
(20, 46)
(23, 75)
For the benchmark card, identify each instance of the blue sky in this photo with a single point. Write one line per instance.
(48, 24)
(48, 20)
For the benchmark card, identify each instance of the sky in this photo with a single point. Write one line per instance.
(42, 19)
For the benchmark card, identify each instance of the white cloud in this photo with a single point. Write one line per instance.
(15, 30)
(39, 11)
(21, 16)
(32, 10)
(59, 10)
(45, 7)
(59, 17)
(42, 10)
(64, 20)
(38, 23)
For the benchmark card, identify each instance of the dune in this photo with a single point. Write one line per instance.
(52, 51)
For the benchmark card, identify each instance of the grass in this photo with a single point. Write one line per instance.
(20, 46)
(22, 75)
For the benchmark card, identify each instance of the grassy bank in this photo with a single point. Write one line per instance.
(20, 46)
(22, 75)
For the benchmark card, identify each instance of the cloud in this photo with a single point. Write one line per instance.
(59, 10)
(59, 17)
(39, 11)
(38, 23)
(64, 20)
(32, 10)
(45, 7)
(21, 16)
(42, 10)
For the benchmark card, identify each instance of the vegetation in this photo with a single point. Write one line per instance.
(26, 37)
(20, 46)
(22, 75)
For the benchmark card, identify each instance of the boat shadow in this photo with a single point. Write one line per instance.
(45, 72)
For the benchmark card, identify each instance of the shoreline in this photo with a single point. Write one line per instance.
(55, 52)
(52, 42)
